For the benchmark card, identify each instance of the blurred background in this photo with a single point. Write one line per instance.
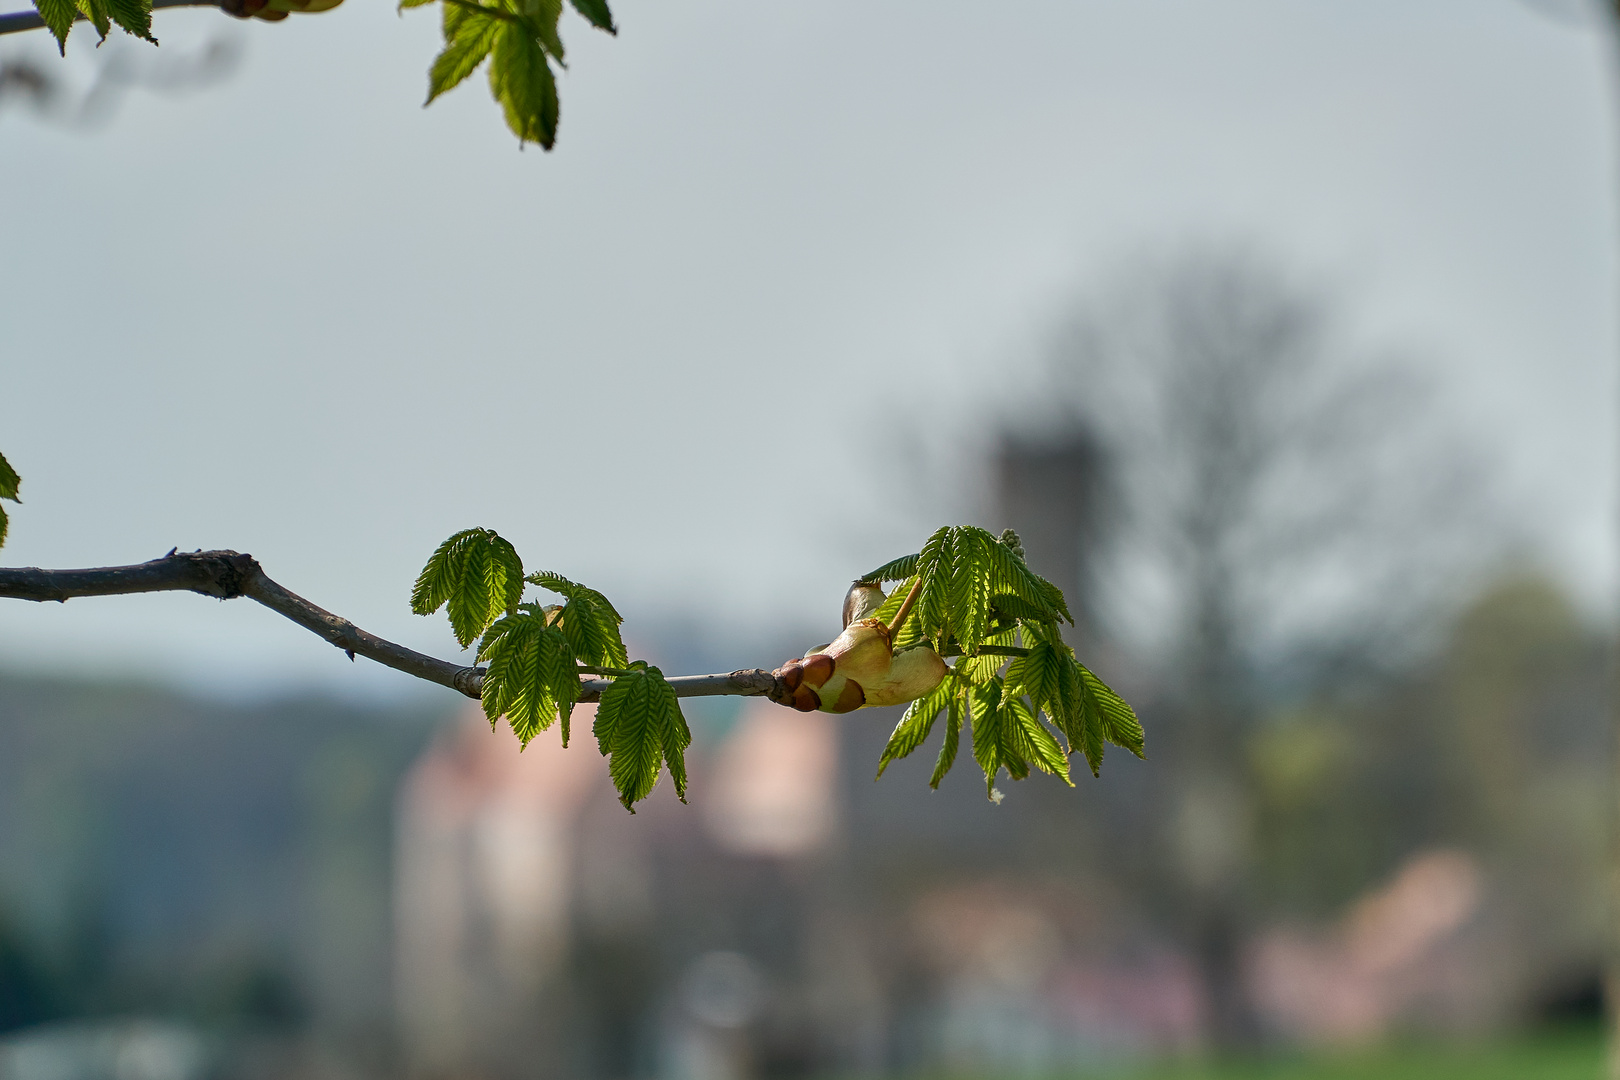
(1283, 333)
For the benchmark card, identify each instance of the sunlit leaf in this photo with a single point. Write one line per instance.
(530, 679)
(521, 80)
(639, 729)
(468, 37)
(913, 729)
(135, 16)
(477, 574)
(1119, 723)
(58, 16)
(953, 737)
(596, 13)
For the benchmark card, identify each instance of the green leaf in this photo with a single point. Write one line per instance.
(903, 567)
(913, 728)
(588, 620)
(58, 16)
(1010, 576)
(933, 603)
(973, 583)
(531, 679)
(135, 16)
(560, 585)
(521, 80)
(468, 37)
(953, 737)
(993, 747)
(596, 13)
(1040, 675)
(542, 17)
(478, 574)
(403, 4)
(639, 728)
(1118, 720)
(1084, 726)
(593, 633)
(971, 563)
(10, 482)
(676, 738)
(981, 669)
(1028, 738)
(98, 14)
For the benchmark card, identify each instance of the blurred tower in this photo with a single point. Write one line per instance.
(1053, 491)
(484, 868)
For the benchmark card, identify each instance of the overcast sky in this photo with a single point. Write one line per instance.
(295, 314)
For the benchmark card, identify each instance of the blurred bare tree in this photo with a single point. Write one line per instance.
(1283, 511)
(38, 85)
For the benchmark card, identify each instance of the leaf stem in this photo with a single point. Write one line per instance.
(587, 669)
(905, 609)
(493, 13)
(991, 650)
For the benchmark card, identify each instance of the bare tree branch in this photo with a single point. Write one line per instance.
(16, 22)
(228, 574)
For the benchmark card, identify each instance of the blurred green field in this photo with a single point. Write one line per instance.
(1565, 1055)
(1562, 1056)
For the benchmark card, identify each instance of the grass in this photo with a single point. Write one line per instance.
(1568, 1054)
(1572, 1055)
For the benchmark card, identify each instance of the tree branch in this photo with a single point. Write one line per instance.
(227, 575)
(17, 21)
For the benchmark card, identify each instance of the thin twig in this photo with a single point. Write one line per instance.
(493, 13)
(228, 574)
(988, 650)
(16, 22)
(905, 608)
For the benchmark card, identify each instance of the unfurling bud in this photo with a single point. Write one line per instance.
(914, 673)
(818, 669)
(862, 652)
(858, 669)
(862, 601)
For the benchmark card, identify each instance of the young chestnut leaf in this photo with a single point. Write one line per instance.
(477, 574)
(58, 16)
(588, 620)
(639, 729)
(9, 483)
(596, 13)
(468, 37)
(531, 678)
(1118, 720)
(913, 729)
(953, 736)
(520, 78)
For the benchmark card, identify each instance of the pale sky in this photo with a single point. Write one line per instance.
(297, 315)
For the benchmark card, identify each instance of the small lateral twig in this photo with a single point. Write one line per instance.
(228, 574)
(905, 608)
(15, 22)
(989, 650)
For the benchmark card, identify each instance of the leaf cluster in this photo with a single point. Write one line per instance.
(132, 16)
(9, 483)
(1015, 684)
(520, 40)
(537, 652)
